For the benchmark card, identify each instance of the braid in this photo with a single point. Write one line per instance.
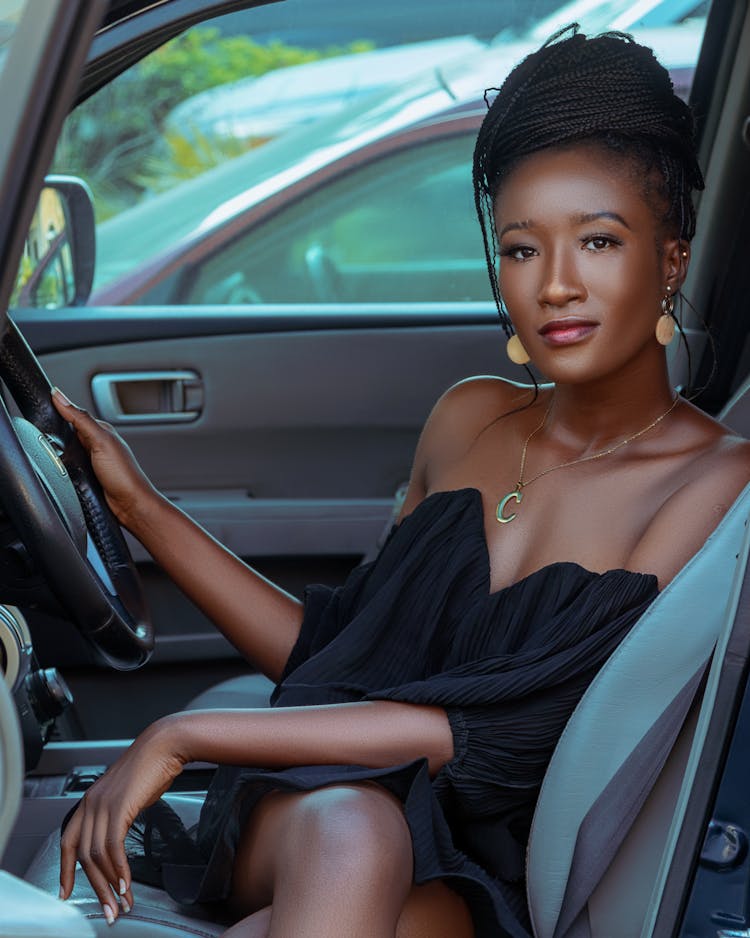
(608, 90)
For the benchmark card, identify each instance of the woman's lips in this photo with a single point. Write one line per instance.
(566, 331)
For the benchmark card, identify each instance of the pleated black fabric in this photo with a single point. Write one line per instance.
(420, 625)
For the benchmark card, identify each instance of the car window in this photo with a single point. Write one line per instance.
(399, 228)
(10, 15)
(236, 168)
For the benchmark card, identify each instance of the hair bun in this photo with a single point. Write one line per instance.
(576, 87)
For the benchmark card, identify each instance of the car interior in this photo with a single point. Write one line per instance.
(252, 435)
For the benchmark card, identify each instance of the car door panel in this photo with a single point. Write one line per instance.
(281, 466)
(275, 423)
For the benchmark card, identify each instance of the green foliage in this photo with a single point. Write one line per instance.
(25, 270)
(115, 141)
(181, 158)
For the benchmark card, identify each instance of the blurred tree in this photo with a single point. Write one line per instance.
(114, 139)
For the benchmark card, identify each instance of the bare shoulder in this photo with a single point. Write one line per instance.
(712, 481)
(475, 399)
(458, 417)
(720, 465)
(465, 409)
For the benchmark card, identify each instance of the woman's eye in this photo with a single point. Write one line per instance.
(518, 252)
(599, 243)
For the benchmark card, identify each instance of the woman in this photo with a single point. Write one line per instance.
(423, 699)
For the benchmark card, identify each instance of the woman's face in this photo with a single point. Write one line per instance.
(582, 267)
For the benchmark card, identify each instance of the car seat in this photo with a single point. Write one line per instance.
(615, 789)
(614, 793)
(736, 412)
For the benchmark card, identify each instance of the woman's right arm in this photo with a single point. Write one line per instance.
(260, 619)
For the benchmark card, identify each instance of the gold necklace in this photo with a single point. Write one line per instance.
(516, 495)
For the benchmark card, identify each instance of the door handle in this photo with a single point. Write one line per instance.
(148, 396)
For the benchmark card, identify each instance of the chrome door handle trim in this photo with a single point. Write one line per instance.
(177, 384)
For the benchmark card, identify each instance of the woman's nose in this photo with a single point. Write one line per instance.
(561, 282)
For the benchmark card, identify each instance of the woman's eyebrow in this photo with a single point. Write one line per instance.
(516, 226)
(587, 217)
(584, 218)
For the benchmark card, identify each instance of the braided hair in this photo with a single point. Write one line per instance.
(606, 90)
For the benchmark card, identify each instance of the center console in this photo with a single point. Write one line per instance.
(58, 773)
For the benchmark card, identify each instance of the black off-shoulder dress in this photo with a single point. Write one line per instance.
(420, 625)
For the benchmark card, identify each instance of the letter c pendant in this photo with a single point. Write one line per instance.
(502, 518)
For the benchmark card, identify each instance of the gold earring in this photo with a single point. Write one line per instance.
(516, 352)
(665, 322)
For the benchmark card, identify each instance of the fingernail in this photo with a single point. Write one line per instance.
(125, 905)
(61, 893)
(123, 886)
(108, 914)
(60, 396)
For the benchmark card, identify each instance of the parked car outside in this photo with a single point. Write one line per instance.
(259, 109)
(279, 224)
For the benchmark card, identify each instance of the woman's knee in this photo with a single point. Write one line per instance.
(354, 828)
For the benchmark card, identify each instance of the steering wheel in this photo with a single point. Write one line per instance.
(52, 498)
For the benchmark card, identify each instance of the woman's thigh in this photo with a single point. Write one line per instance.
(432, 910)
(435, 911)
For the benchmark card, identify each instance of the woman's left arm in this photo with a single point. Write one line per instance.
(376, 733)
(372, 733)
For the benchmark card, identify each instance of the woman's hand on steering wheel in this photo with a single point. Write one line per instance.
(126, 487)
(95, 833)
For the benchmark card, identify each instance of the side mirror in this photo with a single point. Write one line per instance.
(57, 267)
